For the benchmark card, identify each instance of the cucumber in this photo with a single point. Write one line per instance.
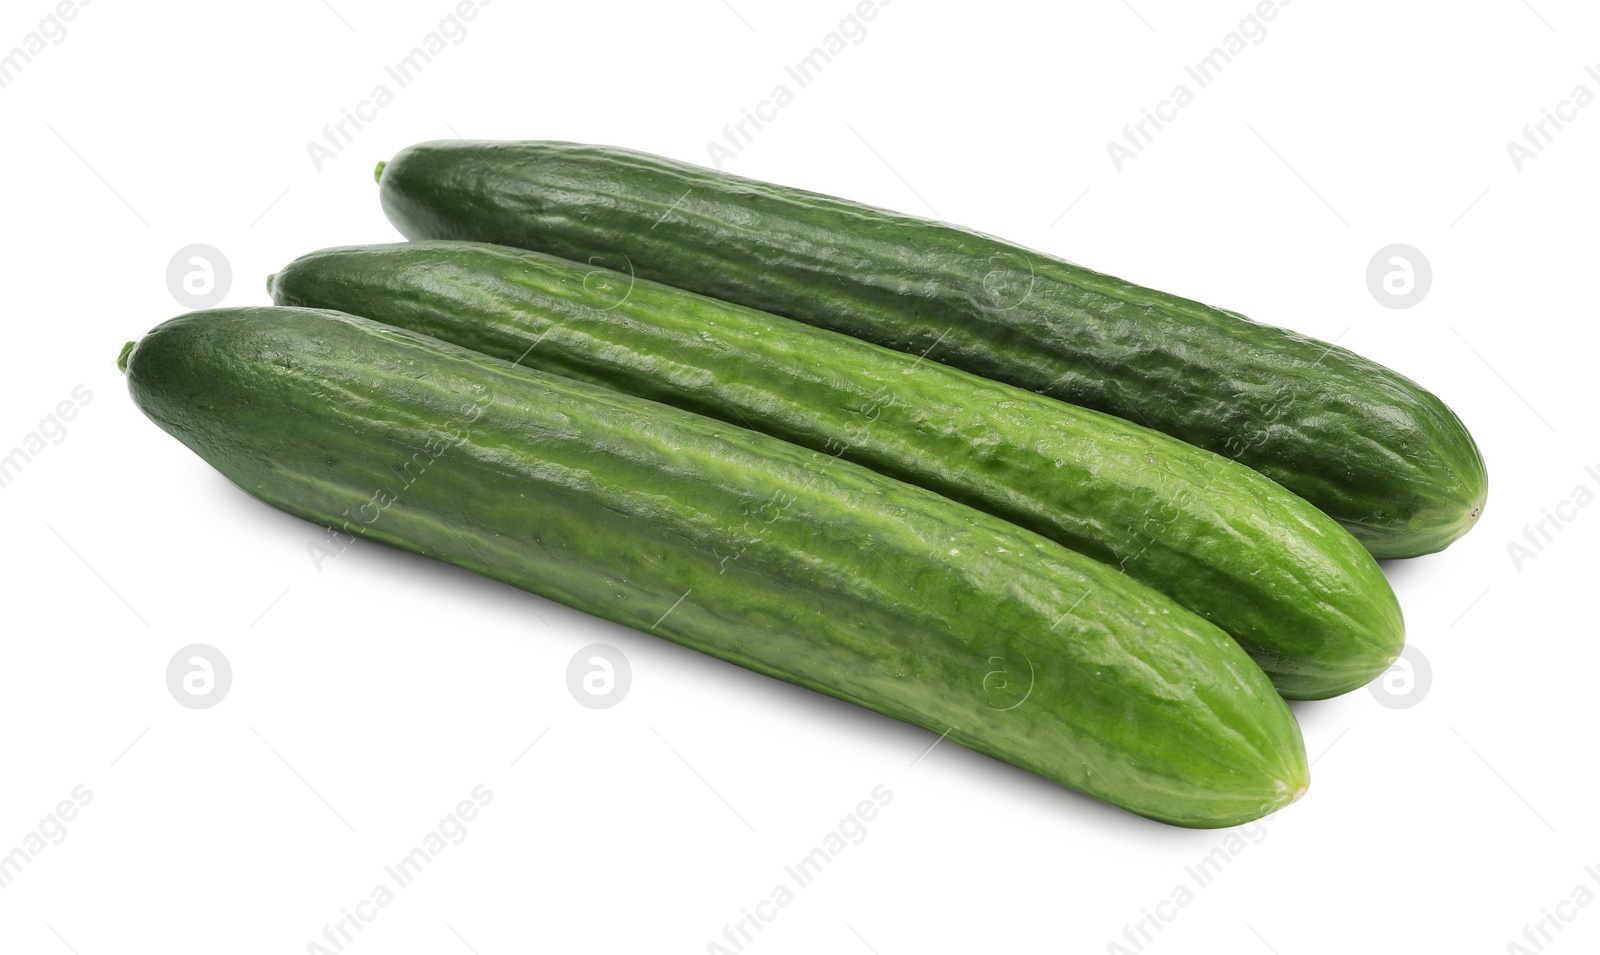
(1298, 592)
(788, 562)
(1371, 448)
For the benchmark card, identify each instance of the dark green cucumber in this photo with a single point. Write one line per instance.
(1301, 595)
(1371, 448)
(789, 562)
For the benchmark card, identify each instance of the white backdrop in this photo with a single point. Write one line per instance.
(373, 694)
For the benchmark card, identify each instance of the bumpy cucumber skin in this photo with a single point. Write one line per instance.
(1300, 594)
(1371, 448)
(779, 559)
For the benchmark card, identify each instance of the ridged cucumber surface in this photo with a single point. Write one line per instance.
(783, 560)
(1371, 448)
(1298, 592)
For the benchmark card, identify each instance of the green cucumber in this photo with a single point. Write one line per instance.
(783, 560)
(1371, 448)
(1298, 592)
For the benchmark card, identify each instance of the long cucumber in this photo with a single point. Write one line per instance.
(1298, 592)
(787, 561)
(1373, 449)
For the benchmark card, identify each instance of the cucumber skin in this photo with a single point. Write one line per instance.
(1302, 596)
(814, 571)
(1371, 448)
